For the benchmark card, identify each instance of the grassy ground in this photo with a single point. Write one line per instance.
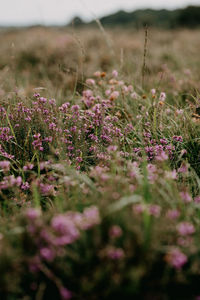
(99, 164)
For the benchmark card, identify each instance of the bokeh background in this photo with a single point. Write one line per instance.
(55, 45)
(52, 12)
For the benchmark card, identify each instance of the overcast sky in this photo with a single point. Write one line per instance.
(47, 12)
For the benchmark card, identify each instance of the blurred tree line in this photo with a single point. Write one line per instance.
(188, 17)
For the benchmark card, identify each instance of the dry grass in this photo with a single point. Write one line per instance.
(60, 59)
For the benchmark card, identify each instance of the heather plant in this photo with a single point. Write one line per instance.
(99, 192)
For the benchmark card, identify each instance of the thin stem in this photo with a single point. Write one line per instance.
(144, 56)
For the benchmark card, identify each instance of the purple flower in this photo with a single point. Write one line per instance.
(28, 167)
(37, 143)
(173, 214)
(47, 254)
(36, 95)
(162, 156)
(162, 96)
(52, 102)
(183, 168)
(33, 213)
(134, 95)
(186, 197)
(91, 217)
(112, 148)
(47, 189)
(10, 181)
(115, 231)
(154, 210)
(90, 81)
(185, 228)
(138, 209)
(176, 258)
(115, 253)
(114, 73)
(114, 95)
(42, 100)
(18, 181)
(164, 141)
(197, 199)
(25, 186)
(65, 293)
(75, 108)
(178, 138)
(171, 174)
(66, 229)
(185, 241)
(5, 165)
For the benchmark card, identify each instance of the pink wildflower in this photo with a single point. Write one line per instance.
(162, 156)
(179, 111)
(186, 197)
(197, 199)
(183, 168)
(97, 74)
(173, 214)
(178, 138)
(176, 258)
(52, 102)
(162, 96)
(33, 213)
(112, 148)
(115, 253)
(115, 231)
(130, 88)
(28, 167)
(5, 165)
(47, 189)
(25, 186)
(115, 73)
(65, 293)
(114, 95)
(91, 217)
(138, 209)
(185, 228)
(108, 92)
(134, 95)
(171, 174)
(90, 81)
(154, 210)
(47, 254)
(65, 228)
(184, 241)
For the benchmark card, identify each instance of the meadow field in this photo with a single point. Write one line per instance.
(99, 164)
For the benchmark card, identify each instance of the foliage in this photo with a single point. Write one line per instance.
(99, 180)
(186, 17)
